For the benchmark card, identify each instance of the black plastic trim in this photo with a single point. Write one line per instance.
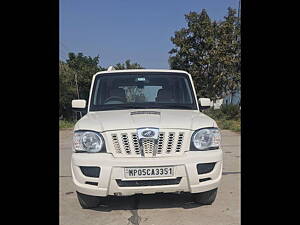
(92, 183)
(203, 168)
(90, 171)
(137, 183)
(204, 179)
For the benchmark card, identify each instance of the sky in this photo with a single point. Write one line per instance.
(139, 30)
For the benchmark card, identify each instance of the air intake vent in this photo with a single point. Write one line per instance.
(145, 112)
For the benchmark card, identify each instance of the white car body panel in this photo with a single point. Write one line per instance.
(122, 119)
(115, 160)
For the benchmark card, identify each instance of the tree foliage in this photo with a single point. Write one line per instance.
(127, 65)
(84, 67)
(67, 90)
(210, 52)
(75, 76)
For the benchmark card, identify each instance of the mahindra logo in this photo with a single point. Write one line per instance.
(148, 133)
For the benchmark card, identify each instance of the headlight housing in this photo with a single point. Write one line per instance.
(206, 139)
(88, 141)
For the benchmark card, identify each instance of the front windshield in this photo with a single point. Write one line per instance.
(142, 90)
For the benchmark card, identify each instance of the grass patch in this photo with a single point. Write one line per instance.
(64, 124)
(234, 125)
(227, 117)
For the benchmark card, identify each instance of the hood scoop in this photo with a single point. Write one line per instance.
(146, 118)
(145, 112)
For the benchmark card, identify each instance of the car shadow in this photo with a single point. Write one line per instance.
(149, 201)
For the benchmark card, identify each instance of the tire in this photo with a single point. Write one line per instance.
(206, 198)
(88, 201)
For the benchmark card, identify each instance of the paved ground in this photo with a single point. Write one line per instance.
(156, 209)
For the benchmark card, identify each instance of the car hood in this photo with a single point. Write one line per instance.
(132, 119)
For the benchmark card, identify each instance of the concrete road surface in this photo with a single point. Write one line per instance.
(158, 209)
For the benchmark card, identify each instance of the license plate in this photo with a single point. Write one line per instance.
(149, 172)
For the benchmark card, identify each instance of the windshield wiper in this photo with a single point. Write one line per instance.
(154, 106)
(176, 107)
(108, 107)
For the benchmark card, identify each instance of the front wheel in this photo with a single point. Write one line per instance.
(88, 201)
(205, 198)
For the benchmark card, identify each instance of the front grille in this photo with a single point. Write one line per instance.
(127, 143)
(148, 146)
(138, 183)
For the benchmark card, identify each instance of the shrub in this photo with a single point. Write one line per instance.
(216, 114)
(227, 117)
(63, 124)
(231, 112)
(234, 125)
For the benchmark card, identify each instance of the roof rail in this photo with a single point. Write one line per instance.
(111, 68)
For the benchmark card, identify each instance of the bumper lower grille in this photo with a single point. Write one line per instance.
(138, 183)
(90, 171)
(205, 167)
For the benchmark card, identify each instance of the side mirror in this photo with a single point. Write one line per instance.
(79, 105)
(204, 103)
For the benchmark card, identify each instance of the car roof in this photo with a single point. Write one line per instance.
(142, 70)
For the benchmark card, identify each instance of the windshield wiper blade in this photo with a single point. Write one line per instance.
(107, 107)
(177, 107)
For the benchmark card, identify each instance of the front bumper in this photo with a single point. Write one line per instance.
(112, 170)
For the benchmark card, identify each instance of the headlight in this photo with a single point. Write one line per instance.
(87, 141)
(206, 139)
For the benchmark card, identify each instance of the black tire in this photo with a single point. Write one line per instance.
(206, 198)
(88, 201)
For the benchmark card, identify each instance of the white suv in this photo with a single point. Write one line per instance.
(143, 134)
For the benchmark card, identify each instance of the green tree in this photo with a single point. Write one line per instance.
(75, 76)
(231, 51)
(67, 90)
(127, 65)
(210, 52)
(83, 67)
